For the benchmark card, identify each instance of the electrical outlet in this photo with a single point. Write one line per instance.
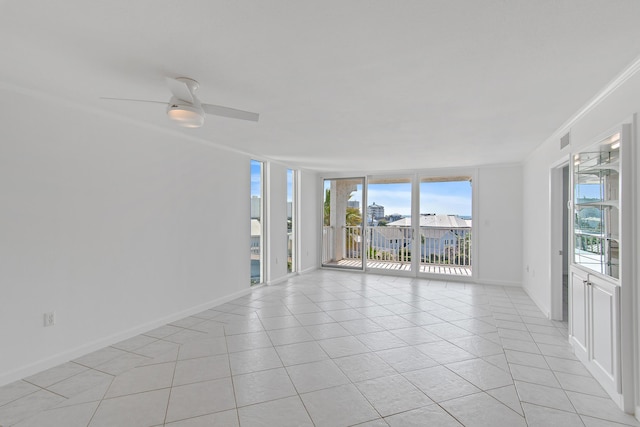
(50, 318)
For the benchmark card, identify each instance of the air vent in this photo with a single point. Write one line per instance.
(564, 141)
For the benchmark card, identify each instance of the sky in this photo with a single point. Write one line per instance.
(435, 197)
(255, 180)
(588, 191)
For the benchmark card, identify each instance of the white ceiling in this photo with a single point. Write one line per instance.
(339, 84)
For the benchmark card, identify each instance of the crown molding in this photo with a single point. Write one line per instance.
(627, 73)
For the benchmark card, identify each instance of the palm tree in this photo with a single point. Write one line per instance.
(353, 217)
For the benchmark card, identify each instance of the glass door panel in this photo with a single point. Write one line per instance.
(445, 225)
(342, 236)
(389, 235)
(596, 190)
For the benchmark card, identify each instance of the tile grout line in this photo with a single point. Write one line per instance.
(233, 385)
(95, 411)
(173, 377)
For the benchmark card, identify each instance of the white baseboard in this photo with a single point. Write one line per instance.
(308, 270)
(543, 308)
(281, 279)
(509, 283)
(90, 347)
(290, 276)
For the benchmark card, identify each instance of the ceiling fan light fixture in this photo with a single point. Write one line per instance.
(186, 115)
(185, 109)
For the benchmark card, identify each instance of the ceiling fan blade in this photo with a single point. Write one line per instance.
(180, 90)
(134, 100)
(232, 113)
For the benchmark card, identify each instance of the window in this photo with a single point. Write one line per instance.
(291, 220)
(257, 229)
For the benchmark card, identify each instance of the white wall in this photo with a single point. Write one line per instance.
(536, 272)
(114, 226)
(497, 222)
(277, 222)
(309, 225)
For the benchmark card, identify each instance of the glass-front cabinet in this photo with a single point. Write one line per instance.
(599, 269)
(596, 184)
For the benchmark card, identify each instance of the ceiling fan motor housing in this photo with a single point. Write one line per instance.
(191, 84)
(185, 114)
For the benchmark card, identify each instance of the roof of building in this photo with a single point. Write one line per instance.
(256, 228)
(443, 221)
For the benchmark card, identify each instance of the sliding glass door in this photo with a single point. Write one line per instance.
(414, 224)
(389, 233)
(342, 229)
(446, 225)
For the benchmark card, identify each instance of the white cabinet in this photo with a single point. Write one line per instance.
(578, 311)
(595, 326)
(605, 326)
(600, 273)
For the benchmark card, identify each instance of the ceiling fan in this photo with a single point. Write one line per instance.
(185, 109)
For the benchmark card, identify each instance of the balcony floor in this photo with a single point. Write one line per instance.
(452, 270)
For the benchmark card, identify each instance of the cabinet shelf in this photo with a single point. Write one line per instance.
(596, 190)
(599, 169)
(613, 237)
(598, 204)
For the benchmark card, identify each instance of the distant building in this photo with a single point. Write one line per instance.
(375, 211)
(353, 204)
(255, 207)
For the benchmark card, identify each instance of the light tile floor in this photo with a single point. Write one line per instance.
(331, 348)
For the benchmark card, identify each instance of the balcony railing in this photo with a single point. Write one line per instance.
(438, 247)
(445, 246)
